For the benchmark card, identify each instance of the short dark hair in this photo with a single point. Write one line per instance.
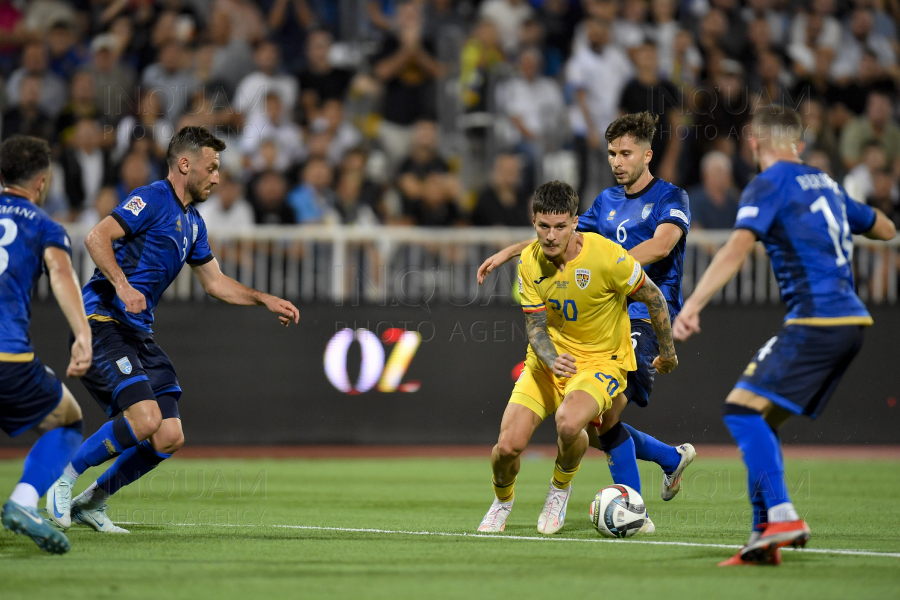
(192, 138)
(22, 157)
(640, 126)
(555, 198)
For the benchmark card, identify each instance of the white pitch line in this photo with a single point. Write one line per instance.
(527, 538)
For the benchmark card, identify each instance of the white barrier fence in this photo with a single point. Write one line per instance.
(417, 266)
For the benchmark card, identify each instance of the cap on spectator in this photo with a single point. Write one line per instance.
(104, 41)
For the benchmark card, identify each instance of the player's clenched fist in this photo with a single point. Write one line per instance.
(133, 300)
(664, 364)
(564, 365)
(82, 353)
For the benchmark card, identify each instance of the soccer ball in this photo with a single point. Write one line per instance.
(618, 511)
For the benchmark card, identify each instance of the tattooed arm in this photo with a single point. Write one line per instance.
(562, 365)
(650, 295)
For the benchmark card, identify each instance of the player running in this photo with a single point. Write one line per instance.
(579, 351)
(650, 218)
(31, 396)
(804, 219)
(139, 250)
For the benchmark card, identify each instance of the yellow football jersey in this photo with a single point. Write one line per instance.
(585, 302)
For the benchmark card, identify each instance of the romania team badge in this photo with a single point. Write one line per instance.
(582, 277)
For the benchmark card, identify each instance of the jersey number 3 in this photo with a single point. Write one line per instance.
(839, 233)
(10, 231)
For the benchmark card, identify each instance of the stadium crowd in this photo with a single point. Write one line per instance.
(442, 112)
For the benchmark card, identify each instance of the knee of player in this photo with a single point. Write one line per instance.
(567, 427)
(169, 443)
(145, 422)
(510, 448)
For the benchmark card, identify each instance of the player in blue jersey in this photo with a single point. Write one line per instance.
(139, 250)
(804, 219)
(31, 396)
(650, 218)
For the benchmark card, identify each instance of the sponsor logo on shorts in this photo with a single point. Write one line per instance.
(582, 277)
(747, 212)
(124, 365)
(677, 213)
(646, 212)
(135, 205)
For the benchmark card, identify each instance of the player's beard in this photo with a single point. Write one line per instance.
(637, 174)
(195, 192)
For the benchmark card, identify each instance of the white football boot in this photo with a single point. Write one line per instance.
(648, 526)
(495, 519)
(671, 484)
(554, 514)
(93, 514)
(59, 502)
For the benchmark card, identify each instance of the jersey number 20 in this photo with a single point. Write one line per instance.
(839, 233)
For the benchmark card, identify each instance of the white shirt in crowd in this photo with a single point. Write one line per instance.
(237, 219)
(603, 76)
(287, 136)
(509, 19)
(250, 95)
(539, 104)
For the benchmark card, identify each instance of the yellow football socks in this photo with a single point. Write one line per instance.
(506, 492)
(562, 478)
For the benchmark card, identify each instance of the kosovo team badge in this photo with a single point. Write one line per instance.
(646, 212)
(124, 365)
(582, 277)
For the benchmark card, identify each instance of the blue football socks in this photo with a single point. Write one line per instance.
(110, 440)
(647, 447)
(133, 464)
(619, 445)
(49, 456)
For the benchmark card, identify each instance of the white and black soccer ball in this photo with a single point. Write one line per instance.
(618, 511)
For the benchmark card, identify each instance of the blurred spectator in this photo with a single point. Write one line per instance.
(65, 55)
(114, 82)
(684, 70)
(714, 204)
(606, 11)
(41, 14)
(859, 37)
(480, 57)
(107, 200)
(357, 161)
(630, 30)
(559, 17)
(815, 79)
(13, 35)
(133, 173)
(422, 161)
(133, 41)
(81, 105)
(172, 79)
(26, 116)
(885, 195)
(505, 201)
(508, 16)
(406, 65)
(814, 28)
(86, 165)
(246, 20)
(775, 19)
(350, 206)
(770, 79)
(647, 92)
(271, 124)
(150, 124)
(818, 135)
(250, 96)
(876, 125)
(313, 201)
(820, 160)
(342, 135)
(663, 31)
(288, 21)
(34, 63)
(319, 80)
(534, 104)
(270, 158)
(871, 77)
(270, 200)
(232, 58)
(596, 74)
(859, 181)
(438, 207)
(227, 211)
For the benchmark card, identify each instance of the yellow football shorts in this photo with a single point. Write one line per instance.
(541, 391)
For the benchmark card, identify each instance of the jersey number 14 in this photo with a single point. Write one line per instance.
(839, 233)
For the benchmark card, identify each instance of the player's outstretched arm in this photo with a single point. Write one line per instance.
(99, 243)
(883, 229)
(221, 286)
(650, 295)
(664, 239)
(562, 365)
(64, 283)
(725, 265)
(500, 258)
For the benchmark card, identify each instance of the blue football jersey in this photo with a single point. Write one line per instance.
(25, 232)
(161, 234)
(630, 219)
(804, 219)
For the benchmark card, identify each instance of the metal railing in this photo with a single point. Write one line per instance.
(392, 266)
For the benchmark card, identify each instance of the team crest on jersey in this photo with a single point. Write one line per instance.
(646, 212)
(582, 277)
(124, 365)
(195, 233)
(135, 205)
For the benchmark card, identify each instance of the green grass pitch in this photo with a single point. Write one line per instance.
(215, 529)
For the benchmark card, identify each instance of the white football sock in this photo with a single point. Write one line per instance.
(70, 472)
(25, 495)
(782, 512)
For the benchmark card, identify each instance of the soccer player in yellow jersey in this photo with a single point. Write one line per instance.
(573, 287)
